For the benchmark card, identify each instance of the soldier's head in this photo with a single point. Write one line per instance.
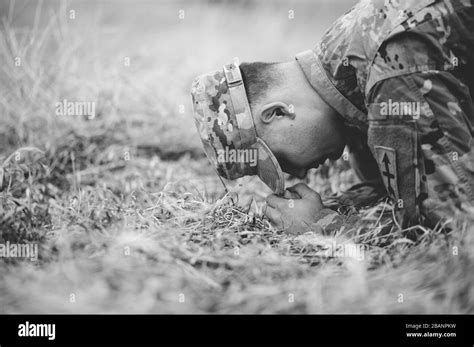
(261, 118)
(300, 128)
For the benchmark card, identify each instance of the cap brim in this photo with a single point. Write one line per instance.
(268, 169)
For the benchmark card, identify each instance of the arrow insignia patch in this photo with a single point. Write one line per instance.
(386, 159)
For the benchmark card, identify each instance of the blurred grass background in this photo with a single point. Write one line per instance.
(165, 52)
(130, 216)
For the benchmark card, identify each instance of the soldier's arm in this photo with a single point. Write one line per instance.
(360, 158)
(426, 158)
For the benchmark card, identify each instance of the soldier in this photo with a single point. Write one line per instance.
(394, 81)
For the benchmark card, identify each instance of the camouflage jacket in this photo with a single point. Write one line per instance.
(401, 74)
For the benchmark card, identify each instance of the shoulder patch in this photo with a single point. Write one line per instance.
(387, 161)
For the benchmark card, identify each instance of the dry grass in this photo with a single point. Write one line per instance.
(130, 217)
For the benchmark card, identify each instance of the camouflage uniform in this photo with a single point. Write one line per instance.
(401, 74)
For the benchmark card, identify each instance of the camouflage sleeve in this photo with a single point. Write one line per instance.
(361, 159)
(420, 133)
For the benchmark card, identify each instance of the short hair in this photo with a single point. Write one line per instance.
(257, 78)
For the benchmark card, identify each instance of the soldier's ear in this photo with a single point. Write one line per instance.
(274, 110)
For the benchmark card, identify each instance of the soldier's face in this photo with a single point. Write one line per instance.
(301, 130)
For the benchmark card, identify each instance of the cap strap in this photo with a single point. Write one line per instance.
(240, 103)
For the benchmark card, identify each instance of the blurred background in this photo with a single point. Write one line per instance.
(135, 60)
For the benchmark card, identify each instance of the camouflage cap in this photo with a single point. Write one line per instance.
(225, 125)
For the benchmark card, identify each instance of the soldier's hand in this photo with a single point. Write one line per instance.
(296, 210)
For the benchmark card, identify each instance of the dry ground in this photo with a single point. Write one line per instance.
(128, 214)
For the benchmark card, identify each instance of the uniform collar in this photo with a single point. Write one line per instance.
(319, 80)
